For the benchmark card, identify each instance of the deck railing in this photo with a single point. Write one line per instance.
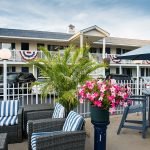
(27, 96)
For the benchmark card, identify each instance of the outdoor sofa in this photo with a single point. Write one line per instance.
(11, 120)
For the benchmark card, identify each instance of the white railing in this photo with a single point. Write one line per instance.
(26, 96)
(17, 56)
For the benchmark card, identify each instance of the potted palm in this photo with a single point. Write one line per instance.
(65, 71)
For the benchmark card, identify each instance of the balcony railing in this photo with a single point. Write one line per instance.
(23, 56)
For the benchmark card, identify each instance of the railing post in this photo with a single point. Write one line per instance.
(5, 78)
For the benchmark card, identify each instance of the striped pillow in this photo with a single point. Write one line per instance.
(9, 108)
(9, 120)
(58, 111)
(73, 122)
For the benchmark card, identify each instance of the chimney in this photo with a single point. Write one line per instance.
(71, 29)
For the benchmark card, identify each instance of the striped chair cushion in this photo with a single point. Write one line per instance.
(58, 111)
(73, 122)
(9, 120)
(41, 134)
(9, 108)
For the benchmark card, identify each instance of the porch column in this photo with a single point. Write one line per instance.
(120, 69)
(104, 48)
(137, 76)
(81, 40)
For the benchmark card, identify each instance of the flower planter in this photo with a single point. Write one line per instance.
(99, 115)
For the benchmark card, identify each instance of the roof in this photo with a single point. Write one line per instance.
(33, 34)
(125, 41)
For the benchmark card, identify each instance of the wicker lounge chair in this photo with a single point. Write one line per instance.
(11, 120)
(57, 112)
(57, 134)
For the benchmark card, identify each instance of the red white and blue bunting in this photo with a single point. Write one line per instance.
(113, 58)
(28, 55)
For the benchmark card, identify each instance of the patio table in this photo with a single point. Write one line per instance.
(3, 141)
(147, 93)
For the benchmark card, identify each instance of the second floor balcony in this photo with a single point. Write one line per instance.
(25, 55)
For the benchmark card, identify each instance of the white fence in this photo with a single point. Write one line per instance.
(27, 96)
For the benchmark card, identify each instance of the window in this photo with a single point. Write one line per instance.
(117, 70)
(40, 45)
(53, 47)
(13, 46)
(118, 51)
(13, 69)
(24, 46)
(93, 50)
(1, 70)
(25, 69)
(10, 46)
(108, 50)
(107, 71)
(142, 72)
(127, 71)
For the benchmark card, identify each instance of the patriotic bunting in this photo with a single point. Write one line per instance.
(28, 55)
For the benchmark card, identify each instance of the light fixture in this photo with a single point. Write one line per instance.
(5, 54)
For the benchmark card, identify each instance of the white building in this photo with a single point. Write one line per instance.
(24, 45)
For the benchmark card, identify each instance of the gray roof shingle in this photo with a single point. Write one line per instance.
(34, 34)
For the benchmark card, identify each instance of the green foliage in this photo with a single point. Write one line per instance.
(65, 72)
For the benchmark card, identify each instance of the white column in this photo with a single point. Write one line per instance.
(103, 54)
(81, 40)
(104, 48)
(120, 69)
(33, 70)
(137, 76)
(5, 79)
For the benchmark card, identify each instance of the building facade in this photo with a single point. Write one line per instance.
(24, 45)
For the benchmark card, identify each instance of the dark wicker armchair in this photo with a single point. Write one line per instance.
(57, 140)
(36, 112)
(11, 127)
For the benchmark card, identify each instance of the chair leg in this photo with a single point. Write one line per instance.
(123, 119)
(144, 127)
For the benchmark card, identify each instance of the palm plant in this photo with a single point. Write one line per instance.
(65, 72)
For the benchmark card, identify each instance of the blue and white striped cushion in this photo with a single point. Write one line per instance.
(73, 122)
(9, 108)
(58, 111)
(37, 135)
(9, 120)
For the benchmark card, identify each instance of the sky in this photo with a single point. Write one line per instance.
(121, 18)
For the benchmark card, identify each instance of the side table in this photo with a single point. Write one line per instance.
(3, 141)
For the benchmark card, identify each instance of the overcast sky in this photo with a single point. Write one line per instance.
(121, 18)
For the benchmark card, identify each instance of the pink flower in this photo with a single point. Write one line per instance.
(104, 94)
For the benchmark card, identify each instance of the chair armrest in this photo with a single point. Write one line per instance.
(20, 115)
(36, 115)
(39, 115)
(20, 124)
(44, 125)
(65, 140)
